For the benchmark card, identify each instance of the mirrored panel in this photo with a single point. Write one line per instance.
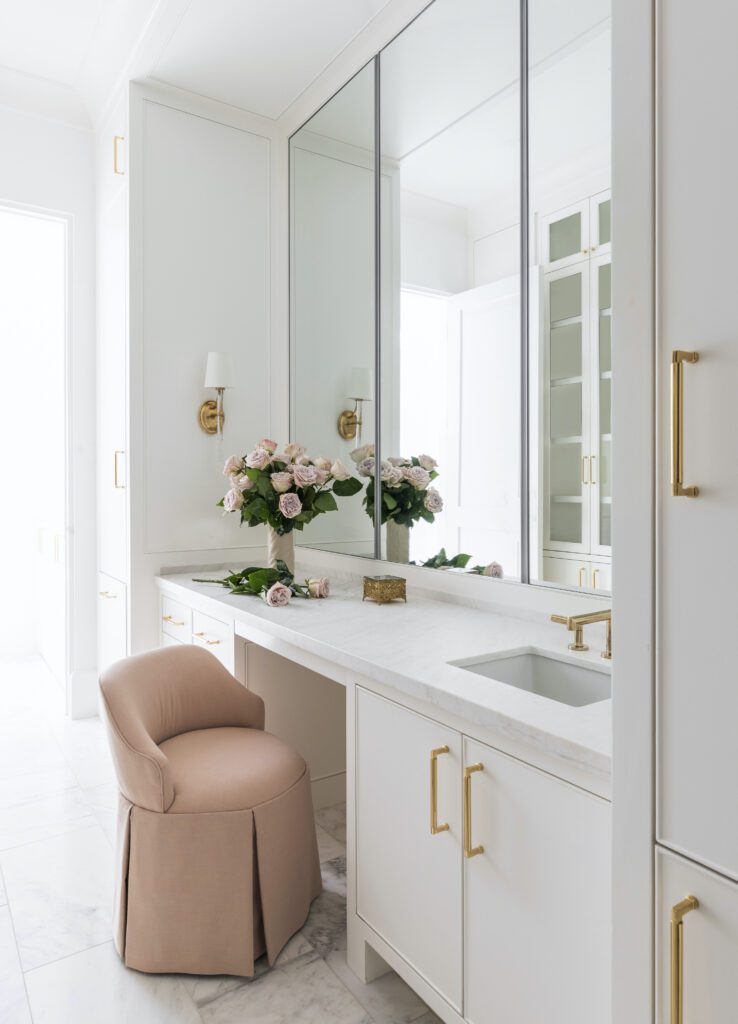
(570, 310)
(332, 297)
(450, 296)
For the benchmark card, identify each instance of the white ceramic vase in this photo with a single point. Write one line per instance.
(398, 542)
(280, 547)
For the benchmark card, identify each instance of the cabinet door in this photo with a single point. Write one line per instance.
(565, 236)
(112, 640)
(600, 442)
(408, 879)
(708, 986)
(112, 390)
(536, 899)
(600, 221)
(600, 576)
(566, 409)
(697, 707)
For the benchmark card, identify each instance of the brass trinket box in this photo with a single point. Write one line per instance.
(383, 589)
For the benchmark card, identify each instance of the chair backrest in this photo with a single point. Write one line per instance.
(151, 697)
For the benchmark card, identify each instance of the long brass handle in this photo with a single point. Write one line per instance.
(201, 636)
(116, 140)
(434, 826)
(106, 593)
(174, 622)
(677, 954)
(585, 458)
(116, 483)
(678, 359)
(582, 573)
(469, 850)
(595, 577)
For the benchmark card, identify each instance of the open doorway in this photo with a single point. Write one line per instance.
(33, 509)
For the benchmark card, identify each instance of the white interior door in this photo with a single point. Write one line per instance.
(536, 899)
(409, 879)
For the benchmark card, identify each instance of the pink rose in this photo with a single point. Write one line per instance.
(290, 505)
(278, 595)
(319, 586)
(398, 461)
(366, 467)
(305, 476)
(321, 463)
(427, 462)
(394, 477)
(294, 451)
(233, 465)
(418, 477)
(494, 569)
(359, 454)
(259, 458)
(339, 471)
(243, 483)
(321, 476)
(267, 445)
(233, 500)
(281, 482)
(433, 500)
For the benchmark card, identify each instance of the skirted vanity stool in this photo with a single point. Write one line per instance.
(217, 859)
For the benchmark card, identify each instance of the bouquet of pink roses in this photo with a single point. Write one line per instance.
(284, 490)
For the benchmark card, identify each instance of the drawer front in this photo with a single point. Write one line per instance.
(169, 641)
(215, 636)
(569, 572)
(176, 619)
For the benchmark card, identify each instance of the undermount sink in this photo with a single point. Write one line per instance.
(543, 674)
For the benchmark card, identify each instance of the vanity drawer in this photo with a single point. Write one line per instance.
(176, 619)
(169, 641)
(215, 636)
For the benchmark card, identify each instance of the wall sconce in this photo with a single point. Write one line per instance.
(359, 391)
(218, 375)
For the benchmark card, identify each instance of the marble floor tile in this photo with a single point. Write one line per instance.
(60, 892)
(94, 987)
(19, 789)
(388, 1000)
(28, 750)
(3, 893)
(85, 747)
(328, 847)
(51, 815)
(334, 876)
(302, 992)
(333, 820)
(325, 928)
(104, 803)
(13, 1003)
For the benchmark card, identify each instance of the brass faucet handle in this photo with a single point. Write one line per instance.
(576, 627)
(561, 620)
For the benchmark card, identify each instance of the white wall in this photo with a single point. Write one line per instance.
(49, 165)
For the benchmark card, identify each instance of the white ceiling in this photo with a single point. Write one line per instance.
(49, 38)
(259, 55)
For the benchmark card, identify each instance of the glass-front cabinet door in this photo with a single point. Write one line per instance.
(565, 236)
(600, 221)
(601, 432)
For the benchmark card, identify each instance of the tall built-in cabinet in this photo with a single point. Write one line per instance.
(184, 267)
(576, 394)
(697, 563)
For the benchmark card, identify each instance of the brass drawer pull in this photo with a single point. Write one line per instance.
(116, 167)
(582, 575)
(108, 594)
(174, 622)
(201, 636)
(434, 826)
(469, 850)
(116, 482)
(583, 474)
(595, 577)
(677, 954)
(678, 359)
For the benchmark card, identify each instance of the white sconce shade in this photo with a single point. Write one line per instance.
(360, 384)
(219, 371)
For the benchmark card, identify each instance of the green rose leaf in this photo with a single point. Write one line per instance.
(345, 488)
(325, 502)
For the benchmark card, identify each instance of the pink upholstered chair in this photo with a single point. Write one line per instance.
(217, 860)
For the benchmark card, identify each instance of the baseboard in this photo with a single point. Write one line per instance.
(329, 790)
(82, 694)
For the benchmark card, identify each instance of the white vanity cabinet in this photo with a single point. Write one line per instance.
(507, 912)
(111, 620)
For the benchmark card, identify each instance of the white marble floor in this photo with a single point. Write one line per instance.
(57, 963)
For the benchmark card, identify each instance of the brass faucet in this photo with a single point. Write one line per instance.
(576, 624)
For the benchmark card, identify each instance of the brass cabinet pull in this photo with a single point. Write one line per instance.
(585, 458)
(201, 636)
(116, 140)
(677, 954)
(678, 359)
(107, 593)
(116, 483)
(469, 850)
(174, 622)
(582, 573)
(592, 469)
(434, 826)
(595, 575)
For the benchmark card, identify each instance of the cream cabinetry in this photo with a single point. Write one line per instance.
(505, 913)
(180, 624)
(111, 621)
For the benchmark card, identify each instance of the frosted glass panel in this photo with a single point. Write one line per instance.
(605, 424)
(565, 297)
(605, 343)
(606, 524)
(566, 410)
(605, 297)
(566, 469)
(566, 522)
(603, 216)
(565, 237)
(605, 484)
(566, 351)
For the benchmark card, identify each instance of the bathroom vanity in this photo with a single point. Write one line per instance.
(478, 810)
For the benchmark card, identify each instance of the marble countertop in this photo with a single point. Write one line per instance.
(409, 647)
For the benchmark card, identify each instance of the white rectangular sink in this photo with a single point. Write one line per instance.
(541, 673)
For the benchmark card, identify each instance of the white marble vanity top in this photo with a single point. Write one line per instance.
(408, 647)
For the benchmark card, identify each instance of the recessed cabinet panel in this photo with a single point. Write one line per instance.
(536, 898)
(707, 981)
(565, 237)
(409, 880)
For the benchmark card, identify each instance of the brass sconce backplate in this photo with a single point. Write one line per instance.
(209, 416)
(348, 423)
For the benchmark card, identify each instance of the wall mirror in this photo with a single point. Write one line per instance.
(419, 193)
